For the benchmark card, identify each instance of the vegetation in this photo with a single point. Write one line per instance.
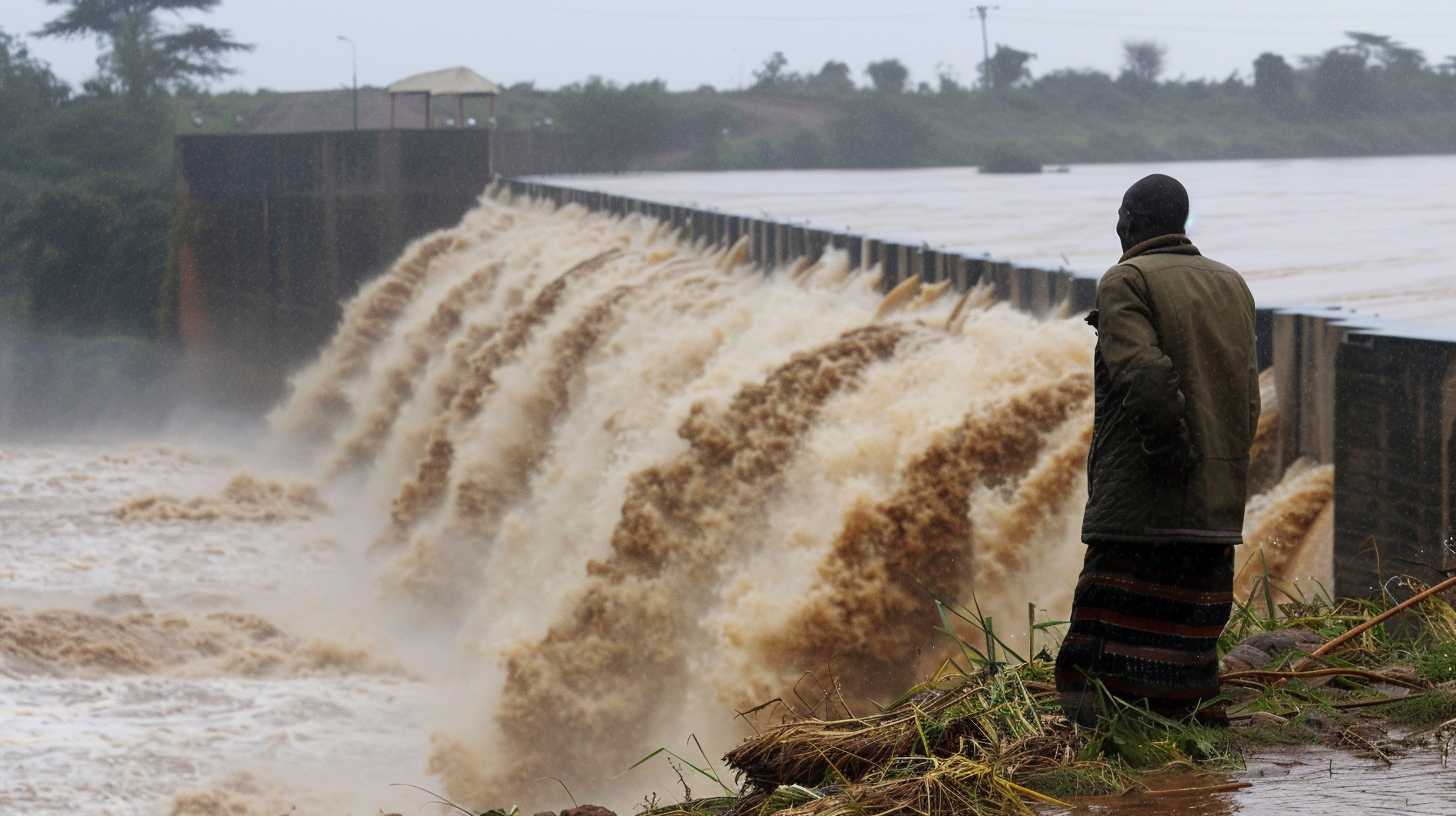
(985, 734)
(86, 182)
(86, 178)
(1369, 96)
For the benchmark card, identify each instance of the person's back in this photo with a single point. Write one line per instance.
(1203, 317)
(1177, 402)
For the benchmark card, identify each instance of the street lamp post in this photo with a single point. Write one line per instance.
(354, 51)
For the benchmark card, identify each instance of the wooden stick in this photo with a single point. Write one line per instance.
(1376, 621)
(1228, 786)
(1368, 703)
(1332, 672)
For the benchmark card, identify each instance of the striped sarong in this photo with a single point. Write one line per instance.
(1145, 624)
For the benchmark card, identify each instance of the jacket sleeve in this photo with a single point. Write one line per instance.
(1138, 369)
(1256, 400)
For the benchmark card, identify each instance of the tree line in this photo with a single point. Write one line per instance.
(86, 176)
(1368, 95)
(86, 184)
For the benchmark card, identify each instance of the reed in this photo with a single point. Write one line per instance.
(985, 734)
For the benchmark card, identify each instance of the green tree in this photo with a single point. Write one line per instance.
(880, 130)
(948, 80)
(1274, 82)
(615, 125)
(27, 86)
(1342, 84)
(771, 73)
(834, 78)
(88, 229)
(144, 56)
(1008, 67)
(805, 149)
(888, 76)
(1143, 61)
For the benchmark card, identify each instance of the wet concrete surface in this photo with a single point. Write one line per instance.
(1314, 781)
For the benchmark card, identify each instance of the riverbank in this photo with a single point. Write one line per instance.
(985, 736)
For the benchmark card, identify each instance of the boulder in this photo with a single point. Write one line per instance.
(1263, 649)
(587, 810)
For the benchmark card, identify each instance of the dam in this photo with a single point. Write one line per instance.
(577, 474)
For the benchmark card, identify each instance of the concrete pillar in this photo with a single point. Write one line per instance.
(795, 249)
(854, 247)
(1000, 276)
(1083, 296)
(934, 266)
(890, 261)
(818, 242)
(1305, 344)
(1036, 290)
(1264, 337)
(914, 263)
(1061, 287)
(1395, 497)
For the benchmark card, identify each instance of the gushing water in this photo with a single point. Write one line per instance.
(607, 488)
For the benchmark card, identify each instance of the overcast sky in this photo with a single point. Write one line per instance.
(689, 42)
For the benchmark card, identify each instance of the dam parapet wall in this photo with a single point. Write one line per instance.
(1377, 403)
(273, 231)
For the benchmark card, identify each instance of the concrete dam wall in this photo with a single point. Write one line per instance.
(274, 231)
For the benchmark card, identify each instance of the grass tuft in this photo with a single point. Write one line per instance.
(1422, 710)
(986, 734)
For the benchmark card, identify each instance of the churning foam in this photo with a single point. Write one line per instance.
(244, 498)
(646, 486)
(135, 640)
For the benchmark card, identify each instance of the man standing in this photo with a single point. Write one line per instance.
(1177, 393)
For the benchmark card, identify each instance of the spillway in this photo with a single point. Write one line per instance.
(582, 490)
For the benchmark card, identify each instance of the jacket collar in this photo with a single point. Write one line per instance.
(1174, 243)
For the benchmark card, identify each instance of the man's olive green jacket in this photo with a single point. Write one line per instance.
(1177, 389)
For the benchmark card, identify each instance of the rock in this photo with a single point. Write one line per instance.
(588, 810)
(1317, 720)
(1244, 657)
(1260, 650)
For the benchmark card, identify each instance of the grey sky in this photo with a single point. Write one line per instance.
(687, 42)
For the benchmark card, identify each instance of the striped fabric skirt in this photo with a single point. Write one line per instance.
(1145, 624)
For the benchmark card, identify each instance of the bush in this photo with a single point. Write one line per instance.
(1006, 157)
(880, 131)
(615, 125)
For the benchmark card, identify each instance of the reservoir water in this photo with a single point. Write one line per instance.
(1377, 235)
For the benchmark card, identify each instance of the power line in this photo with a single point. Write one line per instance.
(757, 18)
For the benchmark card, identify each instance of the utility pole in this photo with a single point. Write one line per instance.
(354, 51)
(985, 46)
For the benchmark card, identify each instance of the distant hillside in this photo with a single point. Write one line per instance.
(1062, 118)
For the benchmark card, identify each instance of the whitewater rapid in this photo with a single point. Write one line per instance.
(562, 490)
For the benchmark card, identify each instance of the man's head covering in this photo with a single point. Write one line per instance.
(1159, 201)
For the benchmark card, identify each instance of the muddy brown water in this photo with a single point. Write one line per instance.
(1307, 780)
